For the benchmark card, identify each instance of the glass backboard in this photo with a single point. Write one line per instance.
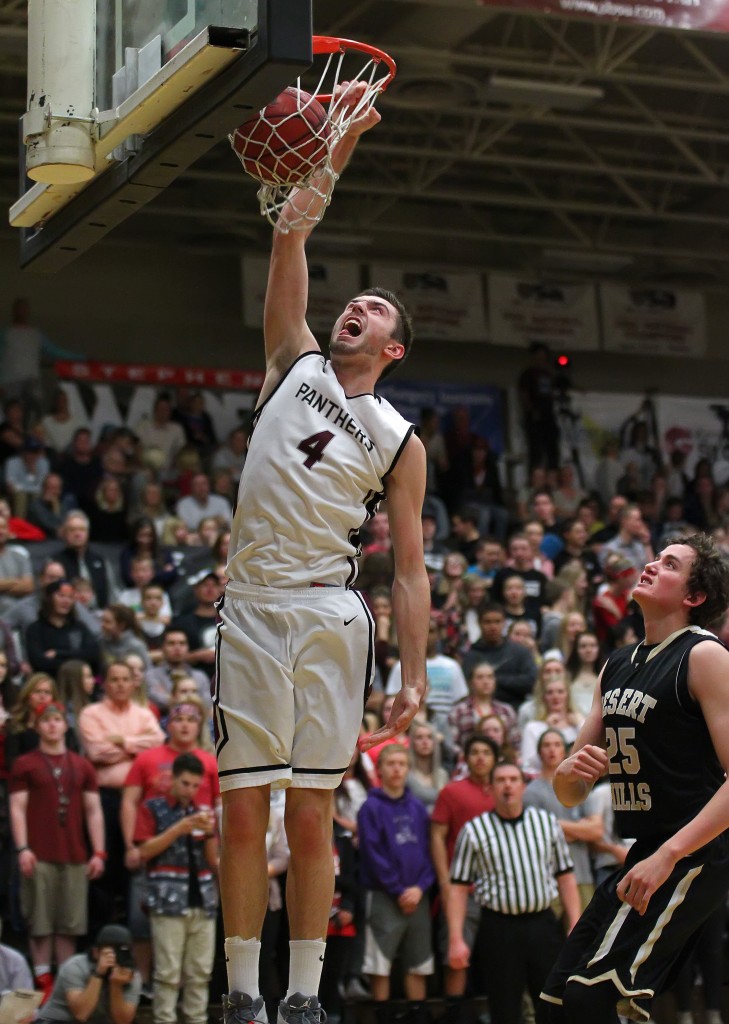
(173, 78)
(162, 28)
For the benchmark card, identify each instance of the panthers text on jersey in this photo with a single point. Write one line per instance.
(315, 472)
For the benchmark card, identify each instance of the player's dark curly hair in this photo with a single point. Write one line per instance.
(404, 331)
(710, 576)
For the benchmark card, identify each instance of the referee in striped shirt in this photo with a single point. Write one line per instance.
(518, 860)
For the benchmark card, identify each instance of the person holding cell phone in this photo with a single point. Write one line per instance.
(177, 841)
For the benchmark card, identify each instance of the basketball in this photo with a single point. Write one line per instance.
(286, 141)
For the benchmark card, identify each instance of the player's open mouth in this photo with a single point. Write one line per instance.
(645, 578)
(352, 326)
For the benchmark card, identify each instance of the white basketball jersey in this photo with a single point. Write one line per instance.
(315, 471)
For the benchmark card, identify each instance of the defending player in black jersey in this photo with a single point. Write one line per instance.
(659, 726)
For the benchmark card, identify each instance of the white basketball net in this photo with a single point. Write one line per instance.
(310, 186)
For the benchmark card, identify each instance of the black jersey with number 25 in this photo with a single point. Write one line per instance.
(663, 768)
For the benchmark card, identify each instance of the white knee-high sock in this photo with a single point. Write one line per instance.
(241, 956)
(305, 965)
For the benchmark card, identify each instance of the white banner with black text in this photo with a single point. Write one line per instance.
(332, 283)
(445, 305)
(653, 321)
(524, 310)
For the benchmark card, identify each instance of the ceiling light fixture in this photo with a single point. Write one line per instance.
(557, 95)
(584, 260)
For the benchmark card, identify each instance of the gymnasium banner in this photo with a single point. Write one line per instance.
(445, 305)
(652, 321)
(332, 283)
(118, 395)
(524, 310)
(484, 405)
(704, 15)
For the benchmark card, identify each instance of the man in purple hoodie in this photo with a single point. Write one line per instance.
(396, 870)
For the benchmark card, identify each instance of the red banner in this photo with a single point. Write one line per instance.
(95, 372)
(704, 15)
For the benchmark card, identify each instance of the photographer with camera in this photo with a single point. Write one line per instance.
(100, 987)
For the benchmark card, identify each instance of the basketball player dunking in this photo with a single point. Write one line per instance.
(659, 725)
(295, 642)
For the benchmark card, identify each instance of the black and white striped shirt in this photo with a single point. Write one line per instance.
(513, 862)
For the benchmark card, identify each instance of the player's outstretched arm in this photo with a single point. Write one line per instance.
(286, 333)
(411, 590)
(588, 761)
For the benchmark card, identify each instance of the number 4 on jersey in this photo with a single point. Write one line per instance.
(313, 447)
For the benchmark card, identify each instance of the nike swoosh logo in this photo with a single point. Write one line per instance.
(347, 621)
(321, 957)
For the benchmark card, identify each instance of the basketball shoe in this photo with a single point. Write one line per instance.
(239, 1008)
(297, 1009)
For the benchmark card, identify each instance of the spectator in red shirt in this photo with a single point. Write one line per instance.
(151, 775)
(611, 605)
(54, 802)
(457, 803)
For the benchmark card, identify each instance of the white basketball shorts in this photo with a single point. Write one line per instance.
(294, 668)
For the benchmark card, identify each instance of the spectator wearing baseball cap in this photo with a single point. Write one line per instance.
(99, 987)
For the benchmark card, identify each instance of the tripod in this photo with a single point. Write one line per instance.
(568, 419)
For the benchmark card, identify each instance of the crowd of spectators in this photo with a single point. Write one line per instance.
(112, 560)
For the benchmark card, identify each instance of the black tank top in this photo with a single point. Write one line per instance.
(663, 768)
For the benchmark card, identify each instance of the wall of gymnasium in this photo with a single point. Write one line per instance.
(157, 306)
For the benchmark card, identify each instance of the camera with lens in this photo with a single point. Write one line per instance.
(124, 956)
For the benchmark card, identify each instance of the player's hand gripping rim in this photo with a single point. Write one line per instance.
(345, 97)
(403, 711)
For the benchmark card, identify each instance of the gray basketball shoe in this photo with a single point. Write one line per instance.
(239, 1008)
(298, 1009)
